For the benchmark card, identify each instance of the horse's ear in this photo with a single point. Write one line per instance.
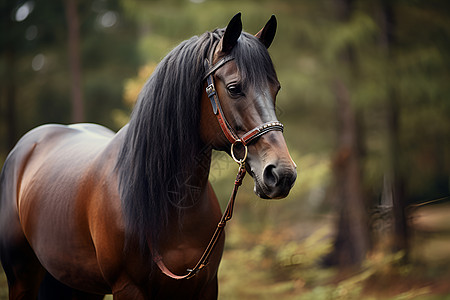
(232, 33)
(267, 34)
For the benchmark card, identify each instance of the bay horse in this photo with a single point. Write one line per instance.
(86, 212)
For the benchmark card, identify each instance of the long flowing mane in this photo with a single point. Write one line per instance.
(162, 139)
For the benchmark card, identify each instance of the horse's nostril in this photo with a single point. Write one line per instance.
(270, 176)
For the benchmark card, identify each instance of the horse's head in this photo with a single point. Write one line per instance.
(245, 81)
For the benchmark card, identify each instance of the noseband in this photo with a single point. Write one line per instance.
(235, 140)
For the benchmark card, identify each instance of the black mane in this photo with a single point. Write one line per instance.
(162, 140)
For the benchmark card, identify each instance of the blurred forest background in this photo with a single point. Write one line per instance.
(365, 103)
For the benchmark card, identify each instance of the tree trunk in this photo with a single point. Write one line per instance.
(352, 240)
(394, 175)
(74, 60)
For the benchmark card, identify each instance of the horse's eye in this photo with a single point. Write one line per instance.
(235, 90)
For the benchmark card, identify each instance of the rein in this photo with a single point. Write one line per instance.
(234, 139)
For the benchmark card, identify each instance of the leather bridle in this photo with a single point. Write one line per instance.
(227, 129)
(235, 140)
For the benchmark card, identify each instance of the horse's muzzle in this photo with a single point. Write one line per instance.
(276, 180)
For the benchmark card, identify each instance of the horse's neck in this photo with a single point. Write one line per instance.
(196, 195)
(198, 210)
(201, 212)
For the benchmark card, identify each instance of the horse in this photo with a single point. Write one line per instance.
(94, 212)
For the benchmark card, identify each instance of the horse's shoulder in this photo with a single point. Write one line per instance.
(53, 134)
(61, 142)
(90, 128)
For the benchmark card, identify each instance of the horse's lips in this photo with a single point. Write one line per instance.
(257, 189)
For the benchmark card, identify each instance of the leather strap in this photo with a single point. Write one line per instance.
(260, 130)
(231, 136)
(218, 65)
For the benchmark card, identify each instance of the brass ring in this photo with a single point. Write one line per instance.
(239, 161)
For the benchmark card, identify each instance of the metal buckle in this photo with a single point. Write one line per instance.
(210, 90)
